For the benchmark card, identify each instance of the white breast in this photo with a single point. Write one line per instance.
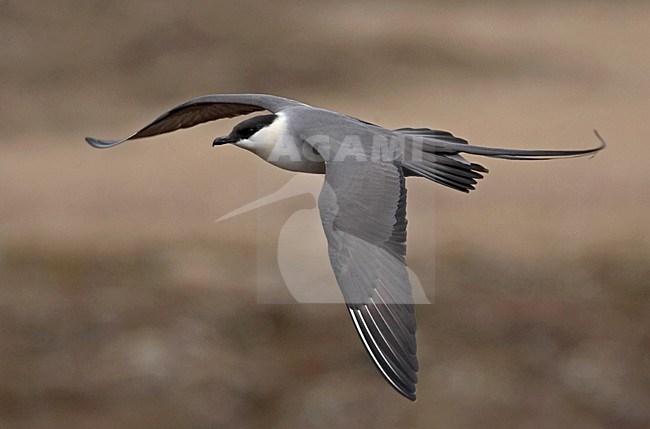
(277, 146)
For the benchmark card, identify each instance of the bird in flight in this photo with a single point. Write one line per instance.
(362, 203)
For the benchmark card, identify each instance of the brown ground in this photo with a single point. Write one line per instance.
(123, 305)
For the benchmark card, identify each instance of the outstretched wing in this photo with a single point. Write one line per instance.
(363, 211)
(203, 109)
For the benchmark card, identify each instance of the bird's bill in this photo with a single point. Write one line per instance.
(222, 140)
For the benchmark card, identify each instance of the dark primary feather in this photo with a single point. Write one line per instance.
(203, 109)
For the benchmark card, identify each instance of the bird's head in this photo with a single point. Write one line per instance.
(245, 130)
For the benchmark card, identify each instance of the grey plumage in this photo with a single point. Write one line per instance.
(362, 203)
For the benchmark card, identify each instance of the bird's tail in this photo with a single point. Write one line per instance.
(517, 154)
(435, 155)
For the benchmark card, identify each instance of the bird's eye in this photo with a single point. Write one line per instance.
(248, 131)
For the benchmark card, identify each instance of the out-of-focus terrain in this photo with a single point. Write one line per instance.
(123, 304)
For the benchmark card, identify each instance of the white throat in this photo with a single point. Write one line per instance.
(265, 140)
(275, 145)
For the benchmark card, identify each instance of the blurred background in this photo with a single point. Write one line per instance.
(124, 305)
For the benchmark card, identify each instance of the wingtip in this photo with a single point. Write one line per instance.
(101, 144)
(410, 396)
(406, 391)
(94, 142)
